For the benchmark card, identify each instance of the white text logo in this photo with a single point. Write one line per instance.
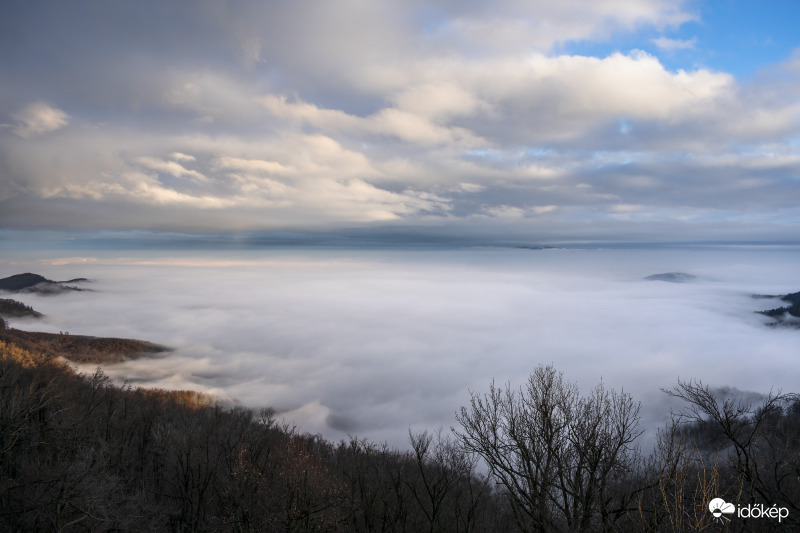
(720, 508)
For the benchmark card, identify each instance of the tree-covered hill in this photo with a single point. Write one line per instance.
(78, 453)
(13, 309)
(81, 348)
(29, 282)
(788, 315)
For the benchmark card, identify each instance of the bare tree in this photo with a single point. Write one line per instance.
(758, 443)
(445, 486)
(562, 459)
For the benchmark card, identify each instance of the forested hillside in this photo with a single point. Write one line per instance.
(788, 315)
(80, 348)
(13, 309)
(78, 453)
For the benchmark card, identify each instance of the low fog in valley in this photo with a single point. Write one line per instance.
(370, 343)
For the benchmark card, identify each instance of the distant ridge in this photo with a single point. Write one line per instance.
(30, 282)
(672, 277)
(784, 316)
(77, 348)
(22, 281)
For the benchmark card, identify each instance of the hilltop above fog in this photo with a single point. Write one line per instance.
(80, 348)
(34, 283)
(77, 348)
(788, 315)
(672, 277)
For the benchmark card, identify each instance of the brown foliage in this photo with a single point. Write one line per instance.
(80, 348)
(80, 454)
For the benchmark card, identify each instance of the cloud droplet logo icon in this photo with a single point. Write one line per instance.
(719, 508)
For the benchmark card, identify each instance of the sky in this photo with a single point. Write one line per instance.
(637, 120)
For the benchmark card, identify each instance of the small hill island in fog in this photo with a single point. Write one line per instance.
(788, 315)
(29, 282)
(672, 277)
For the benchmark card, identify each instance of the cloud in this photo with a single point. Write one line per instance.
(279, 115)
(169, 167)
(138, 187)
(182, 157)
(148, 190)
(438, 100)
(507, 211)
(634, 85)
(37, 119)
(214, 99)
(626, 208)
(400, 338)
(257, 166)
(470, 187)
(670, 45)
(316, 181)
(393, 122)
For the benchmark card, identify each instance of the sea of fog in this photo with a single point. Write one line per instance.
(374, 342)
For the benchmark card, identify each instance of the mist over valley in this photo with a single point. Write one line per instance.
(372, 343)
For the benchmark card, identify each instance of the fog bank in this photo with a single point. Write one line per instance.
(374, 342)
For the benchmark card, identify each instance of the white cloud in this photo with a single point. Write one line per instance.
(399, 342)
(759, 122)
(178, 156)
(634, 85)
(317, 181)
(388, 121)
(438, 100)
(406, 111)
(539, 172)
(258, 166)
(625, 208)
(37, 119)
(214, 98)
(531, 98)
(470, 187)
(136, 188)
(671, 45)
(508, 211)
(169, 167)
(542, 209)
(149, 190)
(514, 26)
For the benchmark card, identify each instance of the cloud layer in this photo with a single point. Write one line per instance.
(371, 343)
(312, 115)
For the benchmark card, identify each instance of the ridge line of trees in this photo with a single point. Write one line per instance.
(78, 453)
